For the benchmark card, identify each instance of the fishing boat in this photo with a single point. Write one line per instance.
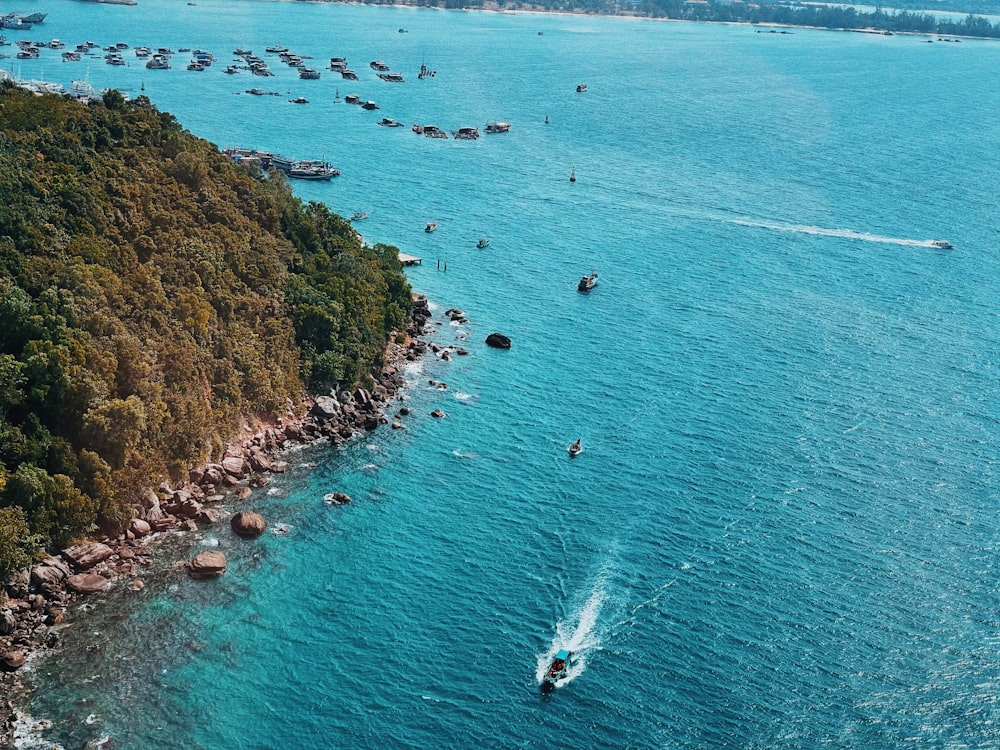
(587, 283)
(431, 226)
(556, 671)
(483, 243)
(313, 170)
(299, 100)
(575, 449)
(497, 127)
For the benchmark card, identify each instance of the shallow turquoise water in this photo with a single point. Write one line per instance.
(782, 531)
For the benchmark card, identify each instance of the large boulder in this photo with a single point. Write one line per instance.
(51, 570)
(234, 466)
(498, 341)
(325, 407)
(246, 523)
(8, 623)
(12, 661)
(88, 583)
(139, 528)
(87, 555)
(207, 565)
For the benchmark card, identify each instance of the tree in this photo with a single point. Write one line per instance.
(16, 542)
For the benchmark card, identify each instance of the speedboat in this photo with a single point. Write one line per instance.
(431, 226)
(942, 244)
(556, 671)
(587, 283)
(575, 449)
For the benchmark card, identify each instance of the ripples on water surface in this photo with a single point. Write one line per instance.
(781, 533)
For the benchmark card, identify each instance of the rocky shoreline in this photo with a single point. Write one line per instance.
(36, 601)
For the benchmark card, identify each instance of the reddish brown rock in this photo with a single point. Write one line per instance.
(207, 565)
(12, 661)
(234, 466)
(139, 527)
(87, 555)
(246, 523)
(88, 583)
(52, 570)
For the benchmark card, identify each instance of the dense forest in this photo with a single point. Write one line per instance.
(154, 297)
(829, 16)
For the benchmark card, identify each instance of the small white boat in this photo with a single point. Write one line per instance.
(431, 226)
(575, 449)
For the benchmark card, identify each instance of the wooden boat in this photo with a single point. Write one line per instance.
(497, 127)
(556, 671)
(587, 283)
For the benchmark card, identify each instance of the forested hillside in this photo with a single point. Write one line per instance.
(153, 297)
(904, 16)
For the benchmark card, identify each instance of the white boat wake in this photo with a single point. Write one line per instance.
(825, 232)
(580, 633)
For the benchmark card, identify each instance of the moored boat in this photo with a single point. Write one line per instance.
(309, 74)
(556, 671)
(379, 66)
(387, 123)
(299, 100)
(466, 134)
(497, 127)
(348, 75)
(369, 105)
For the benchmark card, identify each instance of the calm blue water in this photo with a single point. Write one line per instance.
(782, 532)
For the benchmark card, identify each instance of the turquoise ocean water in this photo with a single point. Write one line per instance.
(782, 532)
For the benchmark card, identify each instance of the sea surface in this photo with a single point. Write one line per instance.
(784, 528)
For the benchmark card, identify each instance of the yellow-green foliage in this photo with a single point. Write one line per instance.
(153, 295)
